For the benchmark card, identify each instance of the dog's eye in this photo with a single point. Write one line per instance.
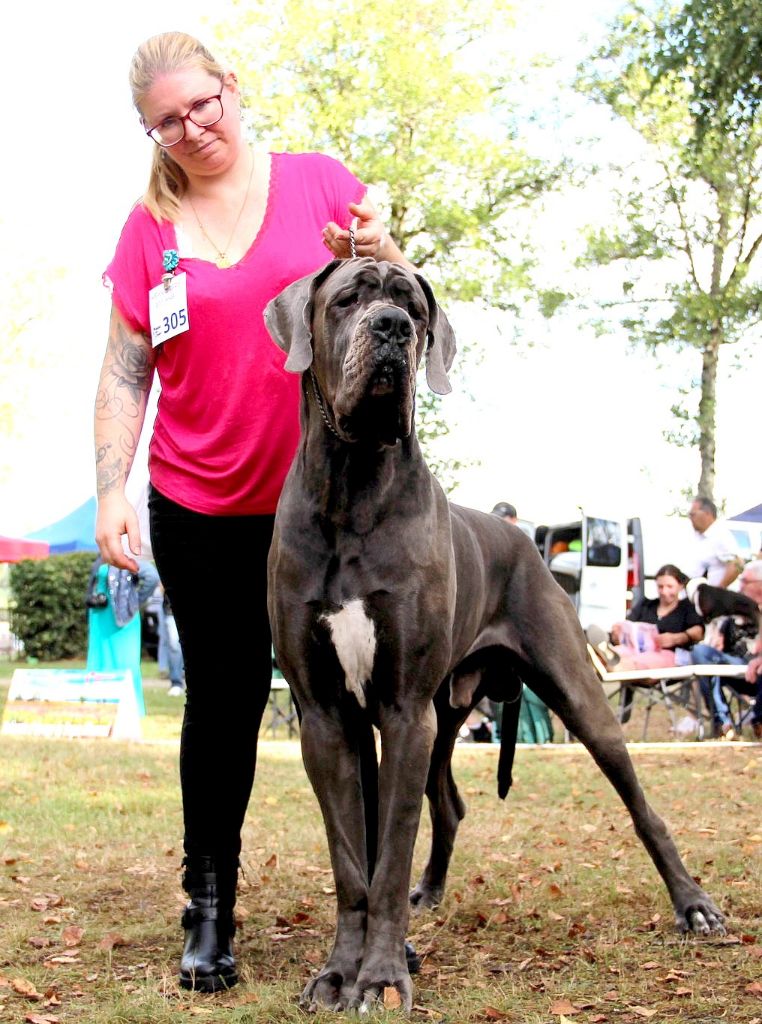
(415, 311)
(347, 300)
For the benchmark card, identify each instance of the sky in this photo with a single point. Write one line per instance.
(558, 420)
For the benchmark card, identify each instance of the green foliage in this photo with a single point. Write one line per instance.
(417, 100)
(687, 234)
(48, 613)
(718, 44)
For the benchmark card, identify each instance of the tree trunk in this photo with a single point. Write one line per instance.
(707, 413)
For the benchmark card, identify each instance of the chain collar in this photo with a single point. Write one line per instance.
(321, 407)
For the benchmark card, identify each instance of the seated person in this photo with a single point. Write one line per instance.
(678, 625)
(734, 640)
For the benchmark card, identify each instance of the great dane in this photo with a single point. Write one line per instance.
(392, 608)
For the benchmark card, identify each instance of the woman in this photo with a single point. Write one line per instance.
(114, 639)
(221, 230)
(678, 625)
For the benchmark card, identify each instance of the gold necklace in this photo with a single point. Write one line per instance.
(222, 260)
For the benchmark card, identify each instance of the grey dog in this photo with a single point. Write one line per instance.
(393, 608)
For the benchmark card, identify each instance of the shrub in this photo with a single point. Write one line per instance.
(48, 611)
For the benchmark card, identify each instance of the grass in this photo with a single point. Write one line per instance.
(553, 909)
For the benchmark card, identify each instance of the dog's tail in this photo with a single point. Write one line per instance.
(509, 730)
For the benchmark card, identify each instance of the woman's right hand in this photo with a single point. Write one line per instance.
(116, 517)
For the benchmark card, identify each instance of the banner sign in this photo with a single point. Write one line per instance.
(66, 702)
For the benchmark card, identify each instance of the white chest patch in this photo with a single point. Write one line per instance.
(354, 638)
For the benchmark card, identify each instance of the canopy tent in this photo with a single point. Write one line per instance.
(751, 515)
(75, 532)
(14, 549)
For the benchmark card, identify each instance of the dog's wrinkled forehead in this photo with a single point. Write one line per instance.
(358, 284)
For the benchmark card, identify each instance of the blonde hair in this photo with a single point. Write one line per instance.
(161, 55)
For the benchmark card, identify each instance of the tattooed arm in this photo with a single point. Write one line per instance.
(120, 407)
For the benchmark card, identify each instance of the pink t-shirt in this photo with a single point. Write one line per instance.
(228, 418)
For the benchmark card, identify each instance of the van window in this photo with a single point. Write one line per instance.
(743, 540)
(604, 542)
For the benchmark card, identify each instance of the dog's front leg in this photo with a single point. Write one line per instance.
(407, 738)
(333, 768)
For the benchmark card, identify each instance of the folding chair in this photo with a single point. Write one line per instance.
(740, 703)
(282, 712)
(676, 689)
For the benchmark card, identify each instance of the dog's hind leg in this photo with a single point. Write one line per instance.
(563, 677)
(446, 808)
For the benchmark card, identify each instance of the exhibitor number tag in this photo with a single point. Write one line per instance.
(168, 309)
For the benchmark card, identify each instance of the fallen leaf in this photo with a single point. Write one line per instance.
(111, 940)
(599, 1018)
(683, 991)
(492, 1013)
(272, 861)
(643, 1011)
(72, 935)
(40, 1018)
(25, 988)
(754, 989)
(39, 941)
(650, 965)
(392, 1000)
(563, 1007)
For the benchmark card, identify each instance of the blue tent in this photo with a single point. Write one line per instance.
(751, 515)
(75, 532)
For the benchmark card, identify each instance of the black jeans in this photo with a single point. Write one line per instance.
(214, 570)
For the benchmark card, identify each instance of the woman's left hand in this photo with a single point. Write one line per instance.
(369, 233)
(668, 641)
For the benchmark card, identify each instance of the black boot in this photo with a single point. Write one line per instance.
(208, 963)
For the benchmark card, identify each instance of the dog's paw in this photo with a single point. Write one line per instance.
(700, 916)
(329, 990)
(382, 993)
(426, 897)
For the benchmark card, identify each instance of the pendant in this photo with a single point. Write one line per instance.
(222, 261)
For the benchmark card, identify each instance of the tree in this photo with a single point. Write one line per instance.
(718, 43)
(687, 234)
(417, 99)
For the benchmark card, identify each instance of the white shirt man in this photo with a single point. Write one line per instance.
(716, 554)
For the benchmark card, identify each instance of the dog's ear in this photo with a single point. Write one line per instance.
(288, 317)
(440, 350)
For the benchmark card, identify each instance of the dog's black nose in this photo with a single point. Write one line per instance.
(392, 325)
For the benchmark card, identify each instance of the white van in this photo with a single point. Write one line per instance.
(598, 561)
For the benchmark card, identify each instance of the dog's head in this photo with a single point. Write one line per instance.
(710, 601)
(362, 328)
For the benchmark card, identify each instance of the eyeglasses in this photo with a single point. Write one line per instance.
(203, 114)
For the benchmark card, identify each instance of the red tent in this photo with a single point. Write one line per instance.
(13, 549)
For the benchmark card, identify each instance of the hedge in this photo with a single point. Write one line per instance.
(48, 611)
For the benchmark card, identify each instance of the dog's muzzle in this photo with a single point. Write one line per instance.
(375, 397)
